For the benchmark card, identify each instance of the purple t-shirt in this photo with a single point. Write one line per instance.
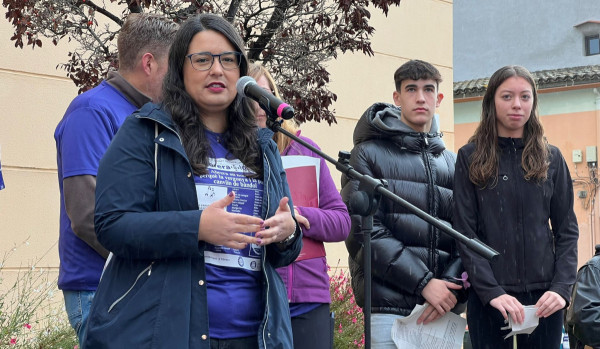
(234, 277)
(82, 137)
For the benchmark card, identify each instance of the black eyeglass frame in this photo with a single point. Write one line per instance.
(235, 53)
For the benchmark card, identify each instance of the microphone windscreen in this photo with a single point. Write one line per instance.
(241, 84)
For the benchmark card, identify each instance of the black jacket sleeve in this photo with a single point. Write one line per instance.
(564, 228)
(466, 212)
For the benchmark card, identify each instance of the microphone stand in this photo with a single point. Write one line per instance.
(365, 202)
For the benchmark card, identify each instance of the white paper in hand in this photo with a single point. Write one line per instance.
(446, 332)
(529, 323)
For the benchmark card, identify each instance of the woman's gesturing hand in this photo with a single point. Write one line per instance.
(278, 227)
(219, 227)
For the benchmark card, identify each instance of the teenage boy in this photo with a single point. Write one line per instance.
(412, 261)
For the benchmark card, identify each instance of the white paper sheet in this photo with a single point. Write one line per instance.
(446, 332)
(529, 323)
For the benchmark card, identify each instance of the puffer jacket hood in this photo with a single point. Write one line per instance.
(383, 121)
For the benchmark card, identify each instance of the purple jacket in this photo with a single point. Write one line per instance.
(307, 281)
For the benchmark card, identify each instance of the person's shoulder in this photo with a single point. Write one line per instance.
(97, 96)
(152, 110)
(554, 150)
(309, 141)
(467, 148)
(102, 99)
(555, 154)
(149, 115)
(449, 153)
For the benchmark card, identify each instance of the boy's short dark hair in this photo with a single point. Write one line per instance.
(416, 70)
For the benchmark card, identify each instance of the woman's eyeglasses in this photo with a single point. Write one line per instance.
(204, 60)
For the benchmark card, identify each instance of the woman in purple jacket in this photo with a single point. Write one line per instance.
(306, 279)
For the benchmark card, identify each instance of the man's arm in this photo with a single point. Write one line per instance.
(79, 195)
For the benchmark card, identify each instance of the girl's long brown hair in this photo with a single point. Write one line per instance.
(485, 159)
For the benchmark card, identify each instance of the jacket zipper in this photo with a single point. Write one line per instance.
(432, 234)
(516, 165)
(148, 269)
(264, 255)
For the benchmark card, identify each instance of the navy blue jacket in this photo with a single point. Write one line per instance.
(153, 292)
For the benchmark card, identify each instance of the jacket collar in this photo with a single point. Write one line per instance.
(157, 113)
(264, 135)
(135, 96)
(507, 143)
(383, 121)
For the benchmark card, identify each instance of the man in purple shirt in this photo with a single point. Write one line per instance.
(82, 136)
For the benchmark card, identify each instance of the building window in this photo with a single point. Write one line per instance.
(592, 45)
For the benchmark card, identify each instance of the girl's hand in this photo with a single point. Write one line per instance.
(278, 227)
(549, 303)
(219, 227)
(509, 305)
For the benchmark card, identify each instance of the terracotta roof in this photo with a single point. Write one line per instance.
(587, 22)
(545, 79)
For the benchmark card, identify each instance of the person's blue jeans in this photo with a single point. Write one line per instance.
(381, 330)
(77, 305)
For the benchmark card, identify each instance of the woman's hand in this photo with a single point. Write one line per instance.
(549, 303)
(219, 227)
(509, 305)
(278, 227)
(301, 219)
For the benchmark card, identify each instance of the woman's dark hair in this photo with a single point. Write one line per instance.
(240, 138)
(485, 159)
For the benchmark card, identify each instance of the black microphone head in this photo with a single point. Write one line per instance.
(242, 83)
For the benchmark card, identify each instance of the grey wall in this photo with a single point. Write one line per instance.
(537, 34)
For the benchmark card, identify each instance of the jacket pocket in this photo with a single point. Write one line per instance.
(147, 270)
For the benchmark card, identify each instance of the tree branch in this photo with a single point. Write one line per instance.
(233, 9)
(100, 10)
(92, 33)
(134, 6)
(267, 34)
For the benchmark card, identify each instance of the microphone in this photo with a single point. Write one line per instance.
(247, 87)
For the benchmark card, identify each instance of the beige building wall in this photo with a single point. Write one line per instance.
(35, 95)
